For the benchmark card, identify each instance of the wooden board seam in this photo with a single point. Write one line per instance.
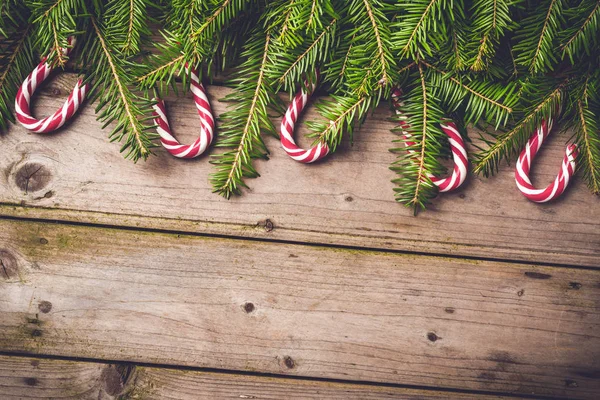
(290, 242)
(271, 375)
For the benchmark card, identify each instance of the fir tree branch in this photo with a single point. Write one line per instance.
(117, 100)
(535, 42)
(16, 60)
(421, 173)
(307, 60)
(478, 94)
(381, 51)
(285, 27)
(245, 121)
(54, 23)
(371, 65)
(208, 28)
(338, 64)
(54, 6)
(130, 21)
(580, 38)
(420, 146)
(410, 43)
(149, 79)
(342, 114)
(312, 17)
(510, 143)
(419, 28)
(538, 48)
(589, 145)
(492, 18)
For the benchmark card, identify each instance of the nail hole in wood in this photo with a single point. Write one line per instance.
(570, 383)
(289, 362)
(30, 381)
(269, 225)
(537, 275)
(45, 306)
(432, 337)
(248, 307)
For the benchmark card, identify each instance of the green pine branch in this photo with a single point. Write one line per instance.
(491, 19)
(336, 68)
(481, 97)
(581, 37)
(298, 20)
(16, 61)
(413, 28)
(536, 42)
(507, 145)
(246, 120)
(193, 36)
(294, 65)
(371, 64)
(109, 73)
(418, 155)
(342, 115)
(55, 21)
(587, 129)
(129, 23)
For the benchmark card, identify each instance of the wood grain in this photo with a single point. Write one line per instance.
(77, 175)
(36, 378)
(300, 310)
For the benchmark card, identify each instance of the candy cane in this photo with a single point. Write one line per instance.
(207, 122)
(523, 166)
(287, 129)
(457, 145)
(28, 88)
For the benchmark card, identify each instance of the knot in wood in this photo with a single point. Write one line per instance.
(32, 177)
(8, 265)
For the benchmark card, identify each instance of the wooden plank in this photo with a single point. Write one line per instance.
(346, 200)
(301, 310)
(37, 378)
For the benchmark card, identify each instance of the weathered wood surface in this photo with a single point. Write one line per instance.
(77, 175)
(36, 378)
(302, 310)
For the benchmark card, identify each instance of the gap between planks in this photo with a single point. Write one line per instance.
(142, 228)
(34, 377)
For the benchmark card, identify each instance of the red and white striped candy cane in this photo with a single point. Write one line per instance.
(523, 166)
(457, 145)
(28, 88)
(207, 122)
(288, 122)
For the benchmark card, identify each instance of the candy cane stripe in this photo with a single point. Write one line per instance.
(457, 145)
(207, 122)
(523, 167)
(28, 88)
(288, 123)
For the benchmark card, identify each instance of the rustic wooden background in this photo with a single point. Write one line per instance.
(135, 281)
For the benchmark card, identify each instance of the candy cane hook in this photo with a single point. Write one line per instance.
(287, 128)
(207, 122)
(556, 188)
(457, 145)
(28, 88)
